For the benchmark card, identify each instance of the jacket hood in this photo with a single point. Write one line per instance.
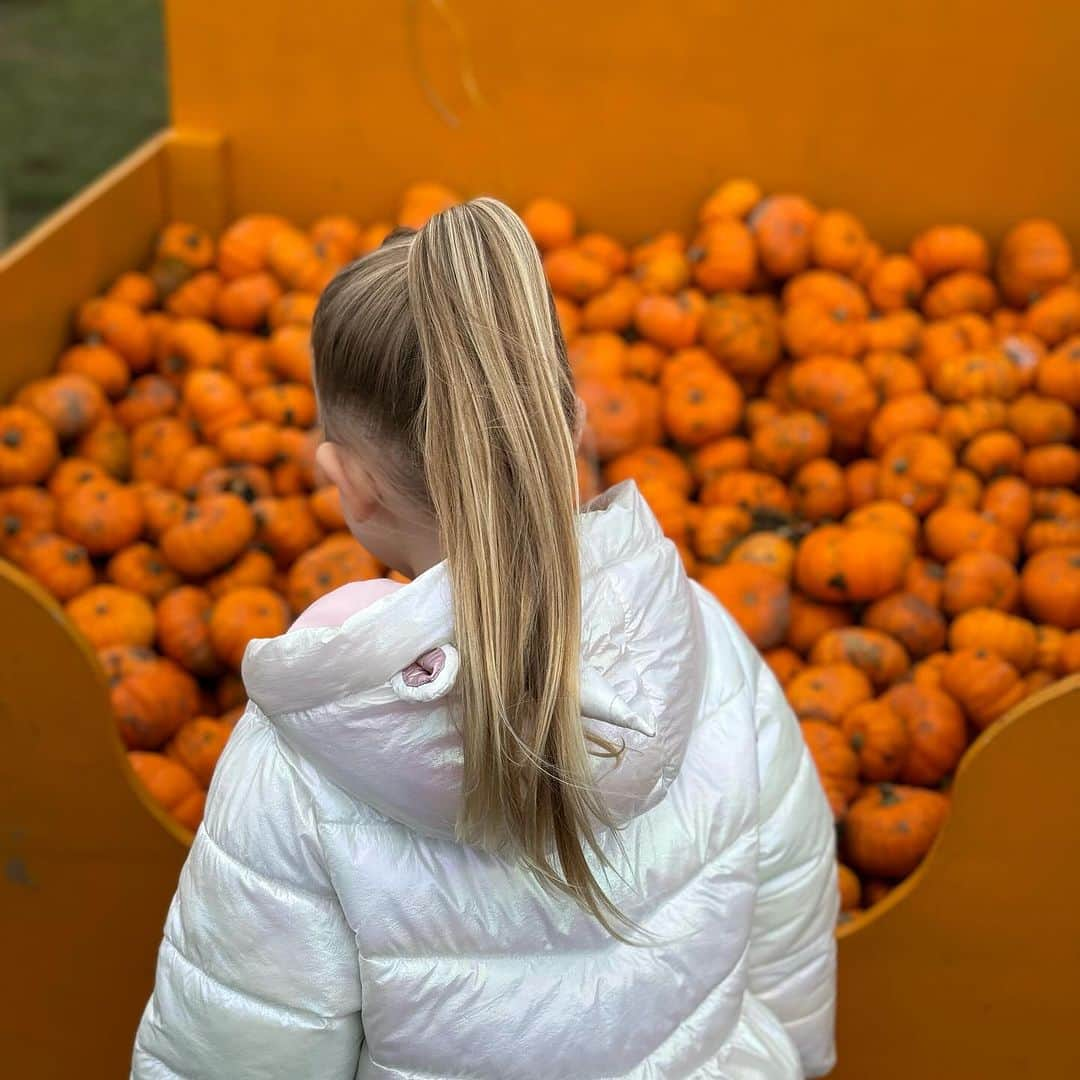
(372, 703)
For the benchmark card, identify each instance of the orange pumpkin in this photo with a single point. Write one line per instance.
(819, 491)
(980, 579)
(910, 620)
(881, 657)
(214, 530)
(951, 530)
(672, 322)
(1050, 584)
(102, 516)
(835, 761)
(1055, 317)
(890, 828)
(148, 398)
(897, 282)
(827, 691)
(945, 249)
(836, 563)
(551, 223)
(61, 566)
(109, 615)
(141, 568)
(701, 407)
(198, 744)
(742, 332)
(784, 663)
(1034, 256)
(25, 512)
(724, 258)
(879, 737)
(244, 614)
(782, 445)
(783, 227)
(170, 785)
(717, 529)
(925, 579)
(998, 632)
(1054, 465)
(984, 684)
(650, 463)
(333, 562)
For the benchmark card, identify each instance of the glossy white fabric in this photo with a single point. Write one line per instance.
(328, 925)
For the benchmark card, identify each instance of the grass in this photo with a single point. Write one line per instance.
(81, 83)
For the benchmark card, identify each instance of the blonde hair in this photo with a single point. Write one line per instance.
(444, 350)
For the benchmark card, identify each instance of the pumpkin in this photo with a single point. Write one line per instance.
(170, 785)
(782, 445)
(142, 568)
(890, 827)
(287, 404)
(946, 249)
(742, 332)
(1034, 256)
(148, 398)
(196, 298)
(672, 511)
(925, 579)
(915, 470)
(838, 391)
(809, 621)
(189, 345)
(646, 464)
(102, 516)
(671, 322)
(850, 888)
(286, 527)
(551, 223)
(906, 415)
(980, 579)
(183, 630)
(614, 417)
(161, 508)
(998, 632)
(1055, 317)
(292, 309)
(784, 663)
(1052, 466)
(897, 282)
(827, 691)
(101, 365)
(326, 506)
(960, 292)
(249, 482)
(1069, 662)
(1050, 585)
(244, 614)
(1049, 641)
(951, 530)
(836, 563)
(605, 249)
(598, 355)
(250, 362)
(880, 657)
(333, 562)
(768, 550)
(910, 620)
(1052, 532)
(879, 738)
(25, 512)
(156, 446)
(783, 227)
(120, 326)
(701, 407)
(664, 270)
(819, 491)
(255, 443)
(994, 453)
(885, 515)
(898, 331)
(961, 423)
(835, 761)
(193, 466)
(937, 733)
(810, 328)
(644, 360)
(197, 745)
(61, 566)
(187, 244)
(989, 373)
(575, 275)
(733, 198)
(755, 596)
(613, 309)
(964, 489)
(134, 289)
(1007, 501)
(214, 530)
(716, 530)
(724, 258)
(754, 491)
(253, 567)
(861, 481)
(985, 684)
(107, 444)
(150, 701)
(838, 241)
(109, 615)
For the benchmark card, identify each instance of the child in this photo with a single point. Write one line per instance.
(540, 813)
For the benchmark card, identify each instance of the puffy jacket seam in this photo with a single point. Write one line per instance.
(616, 588)
(288, 886)
(139, 1045)
(292, 1010)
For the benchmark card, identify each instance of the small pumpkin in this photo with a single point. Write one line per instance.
(195, 298)
(835, 761)
(784, 663)
(1008, 502)
(161, 508)
(187, 345)
(148, 398)
(837, 390)
(910, 620)
(1050, 585)
(985, 684)
(286, 527)
(1054, 465)
(142, 568)
(925, 579)
(861, 481)
(1055, 317)
(1034, 256)
(783, 445)
(120, 326)
(887, 516)
(937, 733)
(897, 282)
(55, 562)
(881, 657)
(742, 332)
(890, 828)
(254, 443)
(827, 691)
(672, 322)
(244, 302)
(699, 408)
(988, 373)
(951, 530)
(70, 403)
(25, 512)
(819, 491)
(838, 241)
(783, 227)
(946, 249)
(197, 745)
(724, 257)
(960, 292)
(135, 289)
(103, 366)
(333, 562)
(183, 630)
(897, 331)
(150, 700)
(964, 489)
(836, 563)
(961, 423)
(915, 470)
(994, 453)
(850, 888)
(980, 579)
(102, 516)
(879, 738)
(810, 621)
(904, 415)
(156, 446)
(717, 529)
(109, 615)
(170, 785)
(214, 530)
(613, 415)
(998, 632)
(107, 444)
(613, 309)
(253, 567)
(649, 463)
(575, 275)
(244, 614)
(326, 506)
(755, 596)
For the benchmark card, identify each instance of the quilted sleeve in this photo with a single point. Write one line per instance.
(257, 975)
(793, 948)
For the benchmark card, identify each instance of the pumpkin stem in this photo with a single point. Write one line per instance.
(889, 797)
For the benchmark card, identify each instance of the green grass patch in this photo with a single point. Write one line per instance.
(81, 83)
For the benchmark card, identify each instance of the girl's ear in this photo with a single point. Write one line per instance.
(344, 470)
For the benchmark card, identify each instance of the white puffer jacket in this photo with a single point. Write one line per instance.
(327, 925)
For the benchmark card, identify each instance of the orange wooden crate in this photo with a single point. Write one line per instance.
(631, 112)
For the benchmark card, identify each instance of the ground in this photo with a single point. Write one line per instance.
(81, 83)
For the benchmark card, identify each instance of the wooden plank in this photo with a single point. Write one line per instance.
(88, 864)
(106, 229)
(908, 115)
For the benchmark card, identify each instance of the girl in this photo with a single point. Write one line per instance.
(542, 812)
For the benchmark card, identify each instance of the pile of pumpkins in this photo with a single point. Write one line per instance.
(870, 458)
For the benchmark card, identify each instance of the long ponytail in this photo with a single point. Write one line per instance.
(496, 434)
